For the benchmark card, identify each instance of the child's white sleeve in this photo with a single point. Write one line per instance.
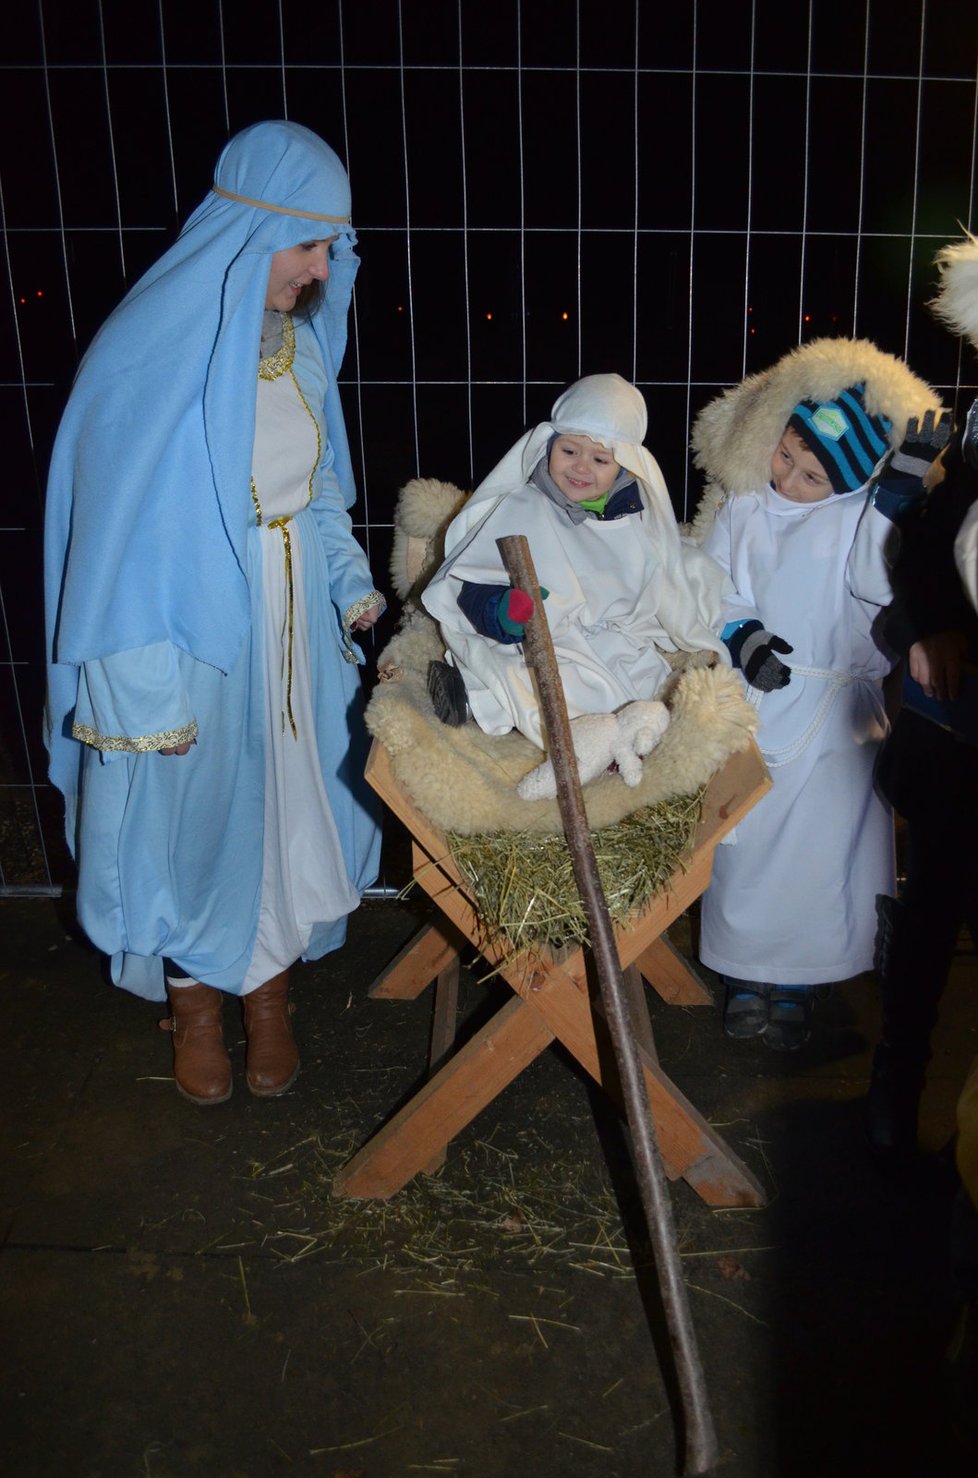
(736, 604)
(871, 557)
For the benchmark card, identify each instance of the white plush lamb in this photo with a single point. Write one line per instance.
(601, 740)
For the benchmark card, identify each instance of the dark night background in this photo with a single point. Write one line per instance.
(543, 188)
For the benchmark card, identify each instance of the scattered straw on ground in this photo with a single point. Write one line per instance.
(489, 1208)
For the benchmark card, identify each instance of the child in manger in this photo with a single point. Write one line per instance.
(621, 588)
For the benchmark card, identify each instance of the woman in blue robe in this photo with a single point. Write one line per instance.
(204, 717)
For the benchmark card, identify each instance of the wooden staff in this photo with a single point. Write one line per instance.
(701, 1443)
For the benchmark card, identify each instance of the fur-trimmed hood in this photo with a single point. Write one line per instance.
(956, 303)
(734, 436)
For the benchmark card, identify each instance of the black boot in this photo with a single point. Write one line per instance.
(892, 1105)
(911, 989)
(447, 693)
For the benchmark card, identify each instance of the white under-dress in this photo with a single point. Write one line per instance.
(304, 876)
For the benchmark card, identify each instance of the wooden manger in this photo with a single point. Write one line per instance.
(551, 1001)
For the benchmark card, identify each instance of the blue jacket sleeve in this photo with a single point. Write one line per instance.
(480, 604)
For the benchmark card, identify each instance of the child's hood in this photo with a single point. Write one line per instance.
(734, 436)
(610, 411)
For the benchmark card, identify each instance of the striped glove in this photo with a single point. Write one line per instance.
(752, 649)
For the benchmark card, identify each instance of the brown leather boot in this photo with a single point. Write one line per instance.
(273, 1058)
(201, 1064)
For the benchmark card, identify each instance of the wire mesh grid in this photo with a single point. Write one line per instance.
(542, 188)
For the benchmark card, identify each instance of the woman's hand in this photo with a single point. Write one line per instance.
(368, 619)
(184, 748)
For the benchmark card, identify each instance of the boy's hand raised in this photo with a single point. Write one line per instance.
(922, 445)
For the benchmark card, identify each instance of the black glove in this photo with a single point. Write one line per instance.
(752, 649)
(921, 446)
(900, 487)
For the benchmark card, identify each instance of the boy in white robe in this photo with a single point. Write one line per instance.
(791, 903)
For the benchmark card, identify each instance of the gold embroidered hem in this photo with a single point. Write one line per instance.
(361, 606)
(141, 744)
(352, 614)
(280, 362)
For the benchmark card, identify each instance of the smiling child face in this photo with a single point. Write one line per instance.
(583, 469)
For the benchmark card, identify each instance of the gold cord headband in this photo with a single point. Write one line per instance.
(283, 210)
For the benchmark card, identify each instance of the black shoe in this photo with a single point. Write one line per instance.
(447, 693)
(744, 1007)
(789, 1017)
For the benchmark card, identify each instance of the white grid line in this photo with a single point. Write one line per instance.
(407, 238)
(57, 173)
(971, 196)
(752, 97)
(224, 66)
(693, 94)
(806, 156)
(950, 78)
(166, 107)
(864, 108)
(635, 173)
(108, 120)
(911, 240)
(465, 240)
(522, 178)
(281, 56)
(580, 180)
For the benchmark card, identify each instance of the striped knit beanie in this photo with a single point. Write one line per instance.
(842, 434)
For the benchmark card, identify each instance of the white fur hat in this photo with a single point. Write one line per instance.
(956, 303)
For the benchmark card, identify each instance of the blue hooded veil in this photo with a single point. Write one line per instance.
(148, 493)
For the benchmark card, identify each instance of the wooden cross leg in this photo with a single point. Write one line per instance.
(551, 1000)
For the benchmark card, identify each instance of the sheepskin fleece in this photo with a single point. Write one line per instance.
(465, 781)
(734, 436)
(956, 303)
(425, 508)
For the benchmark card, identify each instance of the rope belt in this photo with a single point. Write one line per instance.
(834, 683)
(288, 625)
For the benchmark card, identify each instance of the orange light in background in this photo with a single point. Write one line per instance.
(488, 317)
(565, 316)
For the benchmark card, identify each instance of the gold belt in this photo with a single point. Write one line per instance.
(283, 524)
